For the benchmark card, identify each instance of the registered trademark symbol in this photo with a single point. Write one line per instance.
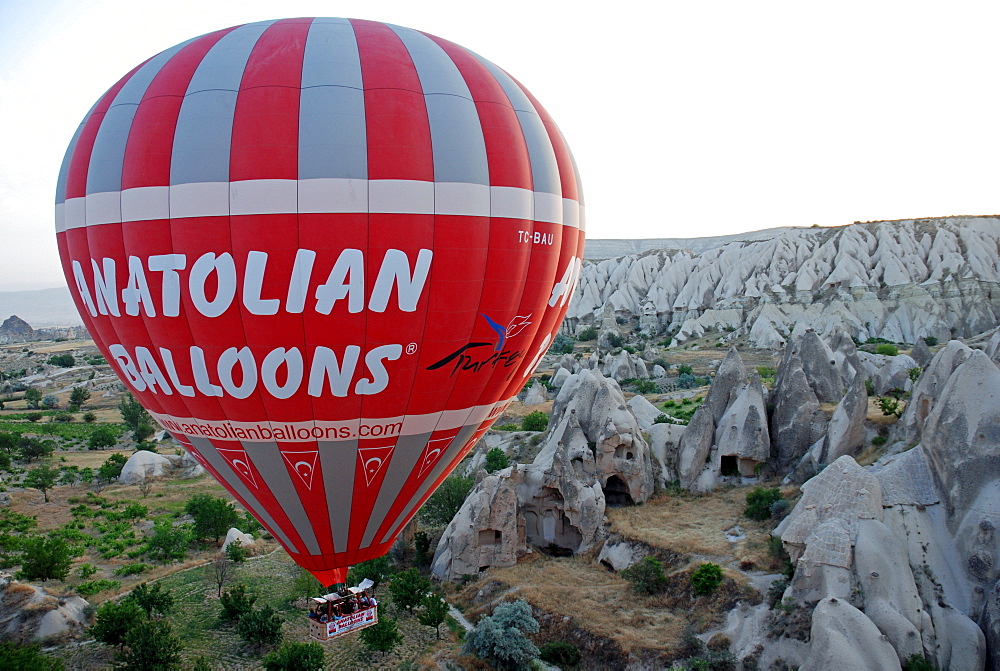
(411, 348)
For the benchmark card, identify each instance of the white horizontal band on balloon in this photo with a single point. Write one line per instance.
(322, 431)
(328, 195)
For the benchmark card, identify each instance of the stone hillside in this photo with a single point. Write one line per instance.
(899, 280)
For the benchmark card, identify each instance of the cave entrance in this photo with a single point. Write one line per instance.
(729, 465)
(616, 493)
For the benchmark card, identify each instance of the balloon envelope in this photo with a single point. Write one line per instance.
(325, 254)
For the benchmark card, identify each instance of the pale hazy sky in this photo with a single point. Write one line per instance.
(686, 118)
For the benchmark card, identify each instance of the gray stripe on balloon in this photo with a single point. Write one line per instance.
(544, 168)
(454, 447)
(64, 168)
(337, 461)
(271, 466)
(457, 142)
(405, 458)
(332, 127)
(108, 156)
(203, 135)
(221, 466)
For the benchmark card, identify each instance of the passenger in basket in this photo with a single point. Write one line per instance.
(348, 606)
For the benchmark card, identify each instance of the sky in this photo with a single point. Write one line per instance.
(686, 118)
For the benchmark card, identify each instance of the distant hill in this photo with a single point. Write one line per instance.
(40, 308)
(613, 248)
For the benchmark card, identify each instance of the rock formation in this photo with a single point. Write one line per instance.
(146, 465)
(728, 434)
(30, 613)
(594, 455)
(16, 327)
(899, 280)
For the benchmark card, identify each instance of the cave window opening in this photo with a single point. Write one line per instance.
(729, 465)
(616, 493)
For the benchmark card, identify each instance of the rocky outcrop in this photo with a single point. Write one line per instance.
(899, 280)
(30, 613)
(16, 327)
(536, 395)
(234, 535)
(843, 637)
(594, 455)
(145, 465)
(845, 434)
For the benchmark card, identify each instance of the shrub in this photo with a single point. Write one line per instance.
(535, 421)
(759, 502)
(615, 339)
(295, 657)
(496, 460)
(889, 406)
(17, 657)
(94, 586)
(930, 341)
(917, 662)
(560, 653)
(645, 387)
(62, 360)
(706, 578)
(684, 369)
(589, 333)
(886, 349)
(661, 419)
(869, 387)
(879, 440)
(89, 417)
(780, 509)
(501, 639)
(168, 541)
(914, 373)
(646, 576)
(131, 569)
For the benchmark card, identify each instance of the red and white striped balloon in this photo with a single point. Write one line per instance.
(324, 254)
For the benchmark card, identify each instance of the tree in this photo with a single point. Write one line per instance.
(212, 517)
(135, 418)
(500, 638)
(168, 541)
(646, 576)
(154, 600)
(445, 503)
(33, 448)
(115, 620)
(382, 636)
(18, 657)
(79, 396)
(496, 460)
(434, 610)
(151, 645)
(684, 369)
(422, 547)
(33, 397)
(376, 570)
(43, 478)
(236, 552)
(408, 588)
(9, 442)
(295, 657)
(50, 401)
(101, 437)
(260, 627)
(223, 571)
(112, 467)
(235, 603)
(44, 558)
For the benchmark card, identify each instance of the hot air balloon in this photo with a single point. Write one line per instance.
(325, 255)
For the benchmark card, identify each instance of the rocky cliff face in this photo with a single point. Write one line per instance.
(899, 280)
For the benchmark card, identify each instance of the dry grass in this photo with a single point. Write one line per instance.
(687, 524)
(597, 600)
